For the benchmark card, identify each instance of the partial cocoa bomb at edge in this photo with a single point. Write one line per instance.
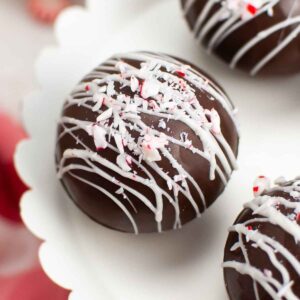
(262, 253)
(146, 142)
(257, 36)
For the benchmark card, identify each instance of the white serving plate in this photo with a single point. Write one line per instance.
(97, 263)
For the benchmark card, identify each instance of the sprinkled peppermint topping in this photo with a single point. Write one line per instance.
(121, 96)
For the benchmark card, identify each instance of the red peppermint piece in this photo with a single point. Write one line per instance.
(255, 189)
(180, 73)
(298, 217)
(251, 9)
(249, 227)
(11, 187)
(47, 10)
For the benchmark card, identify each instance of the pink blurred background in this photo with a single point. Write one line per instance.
(25, 27)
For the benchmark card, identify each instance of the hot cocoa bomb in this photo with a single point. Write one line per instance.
(258, 36)
(146, 143)
(262, 254)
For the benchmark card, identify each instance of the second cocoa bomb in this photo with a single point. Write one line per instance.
(257, 36)
(262, 254)
(146, 143)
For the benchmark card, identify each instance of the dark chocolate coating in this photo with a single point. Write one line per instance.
(287, 61)
(240, 287)
(101, 209)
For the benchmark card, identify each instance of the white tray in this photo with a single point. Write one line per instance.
(97, 263)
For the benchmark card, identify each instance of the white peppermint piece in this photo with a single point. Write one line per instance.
(99, 135)
(98, 99)
(270, 12)
(260, 185)
(162, 124)
(215, 122)
(111, 89)
(122, 67)
(89, 129)
(235, 246)
(134, 84)
(120, 191)
(122, 163)
(105, 115)
(119, 142)
(170, 184)
(150, 88)
(150, 154)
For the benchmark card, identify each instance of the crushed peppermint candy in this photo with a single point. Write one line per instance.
(124, 162)
(120, 191)
(105, 115)
(150, 146)
(134, 84)
(99, 134)
(150, 88)
(261, 184)
(162, 124)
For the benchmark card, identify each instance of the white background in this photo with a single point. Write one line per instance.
(21, 40)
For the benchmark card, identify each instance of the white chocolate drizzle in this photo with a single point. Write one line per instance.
(273, 210)
(162, 87)
(236, 13)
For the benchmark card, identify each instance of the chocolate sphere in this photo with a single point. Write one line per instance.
(146, 143)
(258, 36)
(262, 254)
